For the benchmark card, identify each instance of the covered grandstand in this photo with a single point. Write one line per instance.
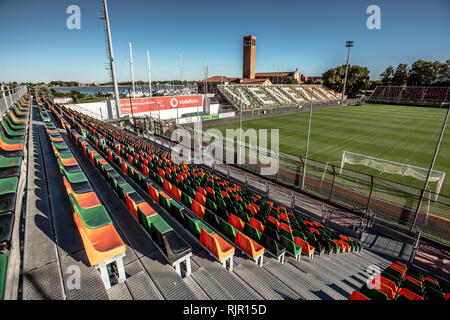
(136, 225)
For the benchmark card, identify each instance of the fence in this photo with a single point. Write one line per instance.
(370, 196)
(9, 96)
(259, 113)
(420, 96)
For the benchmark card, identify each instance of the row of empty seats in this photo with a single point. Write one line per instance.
(13, 137)
(102, 243)
(398, 282)
(211, 240)
(173, 247)
(250, 221)
(218, 247)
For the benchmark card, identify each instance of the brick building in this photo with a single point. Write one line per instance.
(249, 76)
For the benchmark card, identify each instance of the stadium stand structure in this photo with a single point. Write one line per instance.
(426, 96)
(13, 155)
(103, 245)
(243, 217)
(267, 96)
(99, 197)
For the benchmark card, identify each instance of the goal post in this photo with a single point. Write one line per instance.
(392, 167)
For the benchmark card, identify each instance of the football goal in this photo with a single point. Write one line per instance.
(386, 166)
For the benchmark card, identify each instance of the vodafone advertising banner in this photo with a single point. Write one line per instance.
(145, 105)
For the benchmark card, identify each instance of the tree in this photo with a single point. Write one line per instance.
(76, 96)
(290, 80)
(357, 78)
(422, 73)
(386, 76)
(373, 84)
(400, 76)
(313, 81)
(443, 74)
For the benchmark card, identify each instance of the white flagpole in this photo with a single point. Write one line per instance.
(149, 74)
(131, 67)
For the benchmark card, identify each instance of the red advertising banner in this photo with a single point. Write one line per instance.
(141, 105)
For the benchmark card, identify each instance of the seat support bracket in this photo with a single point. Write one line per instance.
(113, 262)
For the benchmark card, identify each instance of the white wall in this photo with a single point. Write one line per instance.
(214, 108)
(97, 110)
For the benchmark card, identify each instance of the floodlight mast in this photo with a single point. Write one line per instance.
(422, 193)
(111, 56)
(348, 44)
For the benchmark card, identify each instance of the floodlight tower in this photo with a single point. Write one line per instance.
(111, 56)
(348, 44)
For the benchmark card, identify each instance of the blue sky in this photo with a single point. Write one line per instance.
(310, 35)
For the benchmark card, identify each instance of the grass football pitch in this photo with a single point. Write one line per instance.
(404, 134)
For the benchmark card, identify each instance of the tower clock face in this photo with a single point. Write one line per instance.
(248, 43)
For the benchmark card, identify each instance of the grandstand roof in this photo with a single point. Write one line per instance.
(217, 79)
(273, 74)
(254, 81)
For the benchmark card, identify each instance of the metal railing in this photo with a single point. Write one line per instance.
(9, 96)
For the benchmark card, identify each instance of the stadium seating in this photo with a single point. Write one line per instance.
(259, 96)
(432, 96)
(199, 210)
(13, 135)
(248, 220)
(398, 282)
(101, 241)
(157, 227)
(168, 241)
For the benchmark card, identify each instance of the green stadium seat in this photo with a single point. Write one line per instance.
(6, 229)
(93, 217)
(8, 190)
(291, 247)
(186, 200)
(373, 294)
(227, 229)
(3, 269)
(252, 232)
(10, 167)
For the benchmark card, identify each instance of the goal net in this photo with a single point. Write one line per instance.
(386, 166)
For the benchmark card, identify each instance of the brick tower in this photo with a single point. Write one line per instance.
(249, 57)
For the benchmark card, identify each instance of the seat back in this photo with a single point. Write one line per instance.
(410, 295)
(198, 209)
(356, 295)
(257, 224)
(252, 232)
(208, 241)
(227, 229)
(236, 222)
